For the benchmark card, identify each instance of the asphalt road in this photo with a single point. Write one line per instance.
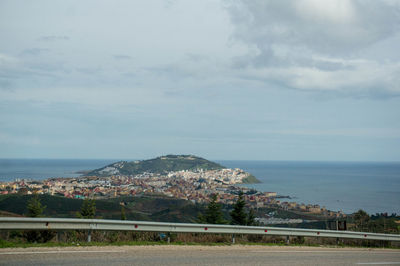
(198, 255)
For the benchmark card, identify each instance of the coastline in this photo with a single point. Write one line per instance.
(348, 187)
(251, 179)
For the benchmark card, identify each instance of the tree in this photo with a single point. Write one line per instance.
(213, 214)
(361, 219)
(123, 216)
(35, 207)
(238, 213)
(88, 209)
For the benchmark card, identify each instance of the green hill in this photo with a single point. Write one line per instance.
(142, 208)
(251, 179)
(162, 164)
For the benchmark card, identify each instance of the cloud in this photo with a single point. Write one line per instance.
(34, 51)
(52, 38)
(332, 47)
(319, 45)
(7, 60)
(28, 69)
(122, 57)
(332, 26)
(360, 78)
(169, 3)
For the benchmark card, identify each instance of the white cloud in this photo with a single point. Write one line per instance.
(338, 12)
(360, 78)
(320, 45)
(331, 26)
(6, 60)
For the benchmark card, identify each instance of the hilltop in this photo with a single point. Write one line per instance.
(159, 165)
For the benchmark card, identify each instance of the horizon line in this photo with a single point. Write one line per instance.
(260, 160)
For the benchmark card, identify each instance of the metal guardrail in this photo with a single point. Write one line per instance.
(13, 223)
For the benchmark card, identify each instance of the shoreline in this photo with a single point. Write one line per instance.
(280, 177)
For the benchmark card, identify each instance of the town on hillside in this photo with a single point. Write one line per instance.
(193, 185)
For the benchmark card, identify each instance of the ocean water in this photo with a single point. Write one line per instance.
(345, 186)
(39, 169)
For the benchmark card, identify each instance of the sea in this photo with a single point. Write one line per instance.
(339, 186)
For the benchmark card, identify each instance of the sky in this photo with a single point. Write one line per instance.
(222, 79)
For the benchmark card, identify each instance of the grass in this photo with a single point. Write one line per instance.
(12, 244)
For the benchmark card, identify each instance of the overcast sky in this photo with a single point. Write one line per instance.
(266, 80)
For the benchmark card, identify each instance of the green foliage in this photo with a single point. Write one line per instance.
(143, 208)
(251, 179)
(238, 214)
(377, 224)
(35, 208)
(162, 164)
(361, 219)
(57, 206)
(6, 244)
(88, 209)
(213, 213)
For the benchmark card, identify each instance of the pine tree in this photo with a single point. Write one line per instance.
(238, 214)
(213, 214)
(35, 207)
(88, 209)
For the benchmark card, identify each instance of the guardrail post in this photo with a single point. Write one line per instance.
(337, 241)
(58, 236)
(169, 237)
(233, 238)
(287, 240)
(89, 236)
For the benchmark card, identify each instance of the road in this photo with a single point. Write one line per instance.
(198, 255)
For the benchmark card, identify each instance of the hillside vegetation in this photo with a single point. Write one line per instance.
(162, 164)
(143, 208)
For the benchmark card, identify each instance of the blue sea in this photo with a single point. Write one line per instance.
(345, 186)
(39, 169)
